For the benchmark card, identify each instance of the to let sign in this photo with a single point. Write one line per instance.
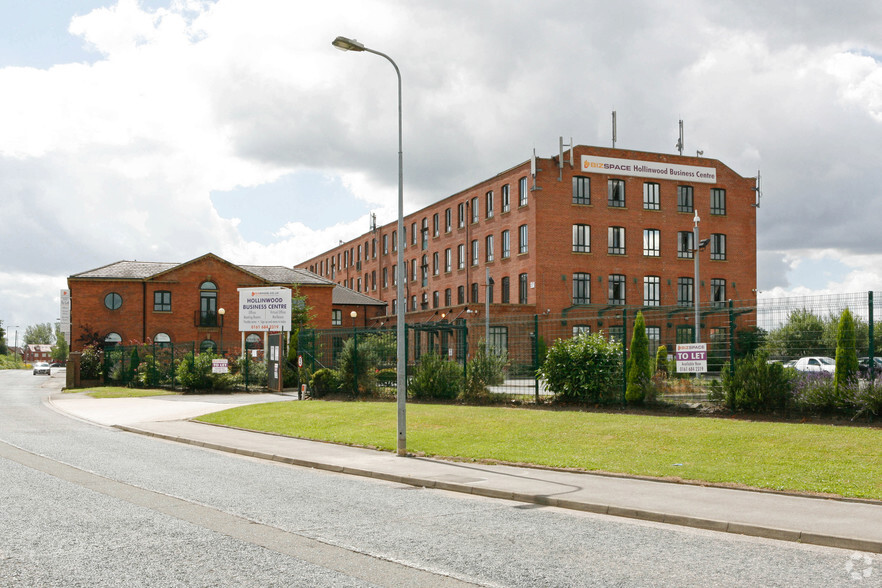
(691, 358)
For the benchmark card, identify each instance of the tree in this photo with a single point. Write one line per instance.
(639, 364)
(846, 354)
(60, 351)
(801, 335)
(39, 334)
(4, 349)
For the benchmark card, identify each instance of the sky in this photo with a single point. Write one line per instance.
(161, 130)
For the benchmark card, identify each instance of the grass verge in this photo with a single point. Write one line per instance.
(840, 460)
(123, 392)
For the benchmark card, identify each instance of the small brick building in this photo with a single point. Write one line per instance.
(135, 301)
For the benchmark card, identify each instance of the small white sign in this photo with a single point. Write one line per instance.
(220, 366)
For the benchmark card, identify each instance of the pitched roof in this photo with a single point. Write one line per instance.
(127, 270)
(343, 295)
(279, 274)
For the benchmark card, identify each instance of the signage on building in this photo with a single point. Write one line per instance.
(65, 315)
(649, 169)
(691, 358)
(264, 309)
(220, 366)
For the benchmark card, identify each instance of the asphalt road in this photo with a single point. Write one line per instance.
(84, 505)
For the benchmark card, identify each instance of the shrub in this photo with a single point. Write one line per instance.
(757, 385)
(639, 370)
(846, 354)
(194, 373)
(868, 400)
(485, 369)
(249, 372)
(435, 378)
(323, 381)
(359, 359)
(387, 377)
(90, 363)
(661, 360)
(584, 368)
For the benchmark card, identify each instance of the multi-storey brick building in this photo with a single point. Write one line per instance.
(181, 302)
(595, 229)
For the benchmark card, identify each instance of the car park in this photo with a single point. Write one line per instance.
(816, 363)
(42, 368)
(864, 366)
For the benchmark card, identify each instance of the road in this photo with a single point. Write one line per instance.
(84, 505)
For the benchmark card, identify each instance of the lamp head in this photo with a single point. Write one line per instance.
(344, 44)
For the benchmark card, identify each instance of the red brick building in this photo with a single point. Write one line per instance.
(136, 301)
(604, 228)
(35, 353)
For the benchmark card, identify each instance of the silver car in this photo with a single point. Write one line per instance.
(42, 368)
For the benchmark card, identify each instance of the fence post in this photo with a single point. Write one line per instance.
(536, 354)
(355, 356)
(871, 351)
(624, 353)
(731, 338)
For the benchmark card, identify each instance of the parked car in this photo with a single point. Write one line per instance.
(816, 364)
(864, 366)
(42, 368)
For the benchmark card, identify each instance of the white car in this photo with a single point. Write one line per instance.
(816, 364)
(42, 368)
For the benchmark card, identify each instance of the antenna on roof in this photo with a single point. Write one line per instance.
(680, 140)
(614, 129)
(373, 222)
(758, 189)
(560, 160)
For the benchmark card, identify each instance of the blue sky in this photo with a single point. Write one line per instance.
(164, 129)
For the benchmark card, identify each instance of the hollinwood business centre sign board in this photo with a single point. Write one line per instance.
(265, 309)
(649, 169)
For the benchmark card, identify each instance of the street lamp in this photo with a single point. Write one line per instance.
(353, 314)
(221, 312)
(696, 248)
(345, 44)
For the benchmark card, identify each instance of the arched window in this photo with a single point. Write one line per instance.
(208, 304)
(162, 340)
(208, 346)
(253, 341)
(112, 339)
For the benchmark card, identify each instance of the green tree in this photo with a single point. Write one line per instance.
(39, 334)
(661, 359)
(60, 350)
(639, 365)
(4, 348)
(846, 354)
(802, 334)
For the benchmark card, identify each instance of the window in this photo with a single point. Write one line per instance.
(616, 289)
(489, 205)
(685, 244)
(522, 192)
(616, 193)
(718, 246)
(413, 270)
(684, 199)
(685, 289)
(581, 330)
(359, 285)
(718, 292)
(425, 234)
(373, 279)
(474, 292)
(616, 241)
(651, 239)
(447, 220)
(207, 304)
(460, 215)
(336, 318)
(651, 291)
(385, 277)
(112, 339)
(424, 271)
(373, 248)
(113, 301)
(685, 334)
(413, 232)
(522, 289)
(718, 201)
(581, 190)
(654, 336)
(650, 196)
(581, 238)
(506, 290)
(506, 244)
(506, 198)
(436, 225)
(498, 342)
(162, 301)
(208, 346)
(436, 299)
(475, 209)
(436, 266)
(395, 275)
(474, 252)
(460, 295)
(447, 259)
(394, 306)
(359, 254)
(413, 302)
(162, 340)
(448, 297)
(460, 256)
(394, 240)
(522, 239)
(252, 341)
(581, 288)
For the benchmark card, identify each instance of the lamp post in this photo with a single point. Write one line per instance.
(220, 313)
(345, 44)
(15, 346)
(697, 333)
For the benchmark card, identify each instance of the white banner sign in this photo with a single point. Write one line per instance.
(648, 169)
(65, 315)
(264, 309)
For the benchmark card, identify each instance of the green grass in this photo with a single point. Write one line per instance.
(846, 461)
(122, 392)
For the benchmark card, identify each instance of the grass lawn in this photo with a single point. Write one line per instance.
(123, 392)
(797, 457)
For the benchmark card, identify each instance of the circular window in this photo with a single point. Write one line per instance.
(113, 301)
(112, 339)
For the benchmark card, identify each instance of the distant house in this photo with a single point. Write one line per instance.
(37, 353)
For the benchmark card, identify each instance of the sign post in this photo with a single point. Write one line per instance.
(691, 358)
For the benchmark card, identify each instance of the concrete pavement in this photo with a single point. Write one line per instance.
(847, 524)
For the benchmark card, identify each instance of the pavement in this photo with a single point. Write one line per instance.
(842, 523)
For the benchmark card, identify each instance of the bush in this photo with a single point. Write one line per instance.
(757, 385)
(194, 373)
(585, 368)
(90, 363)
(324, 381)
(846, 354)
(867, 400)
(661, 360)
(486, 368)
(639, 370)
(387, 377)
(435, 378)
